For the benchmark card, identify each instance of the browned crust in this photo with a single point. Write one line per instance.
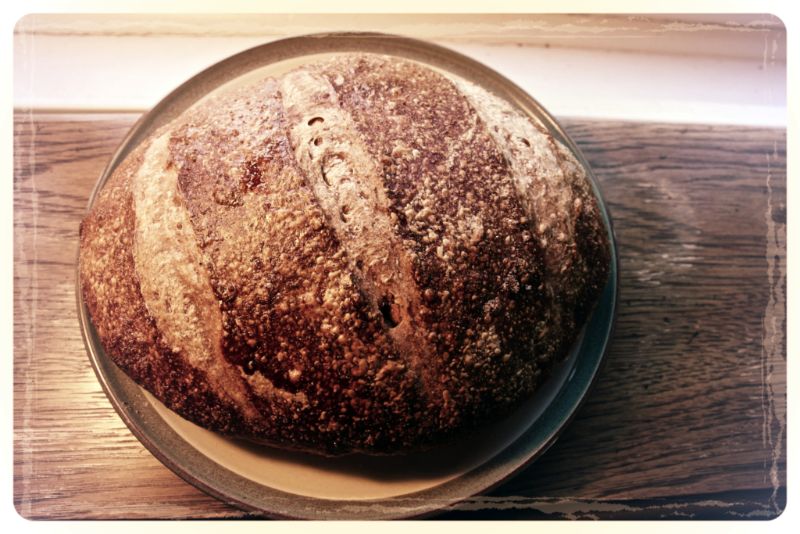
(303, 328)
(557, 198)
(111, 292)
(293, 310)
(458, 211)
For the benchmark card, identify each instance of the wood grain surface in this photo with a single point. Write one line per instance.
(688, 416)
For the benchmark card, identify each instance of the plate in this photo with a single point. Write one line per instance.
(285, 484)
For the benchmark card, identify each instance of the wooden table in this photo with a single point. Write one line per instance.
(688, 417)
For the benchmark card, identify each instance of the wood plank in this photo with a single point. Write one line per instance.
(688, 414)
(684, 404)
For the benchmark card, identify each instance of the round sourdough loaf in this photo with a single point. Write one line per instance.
(360, 255)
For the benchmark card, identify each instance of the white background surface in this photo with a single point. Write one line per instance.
(701, 69)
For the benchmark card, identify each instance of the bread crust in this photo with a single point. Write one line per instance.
(362, 255)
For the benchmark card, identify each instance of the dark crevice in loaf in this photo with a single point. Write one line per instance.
(388, 309)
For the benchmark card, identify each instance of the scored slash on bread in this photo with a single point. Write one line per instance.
(361, 255)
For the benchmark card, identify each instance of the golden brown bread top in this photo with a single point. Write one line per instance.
(362, 255)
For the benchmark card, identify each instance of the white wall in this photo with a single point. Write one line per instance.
(704, 69)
